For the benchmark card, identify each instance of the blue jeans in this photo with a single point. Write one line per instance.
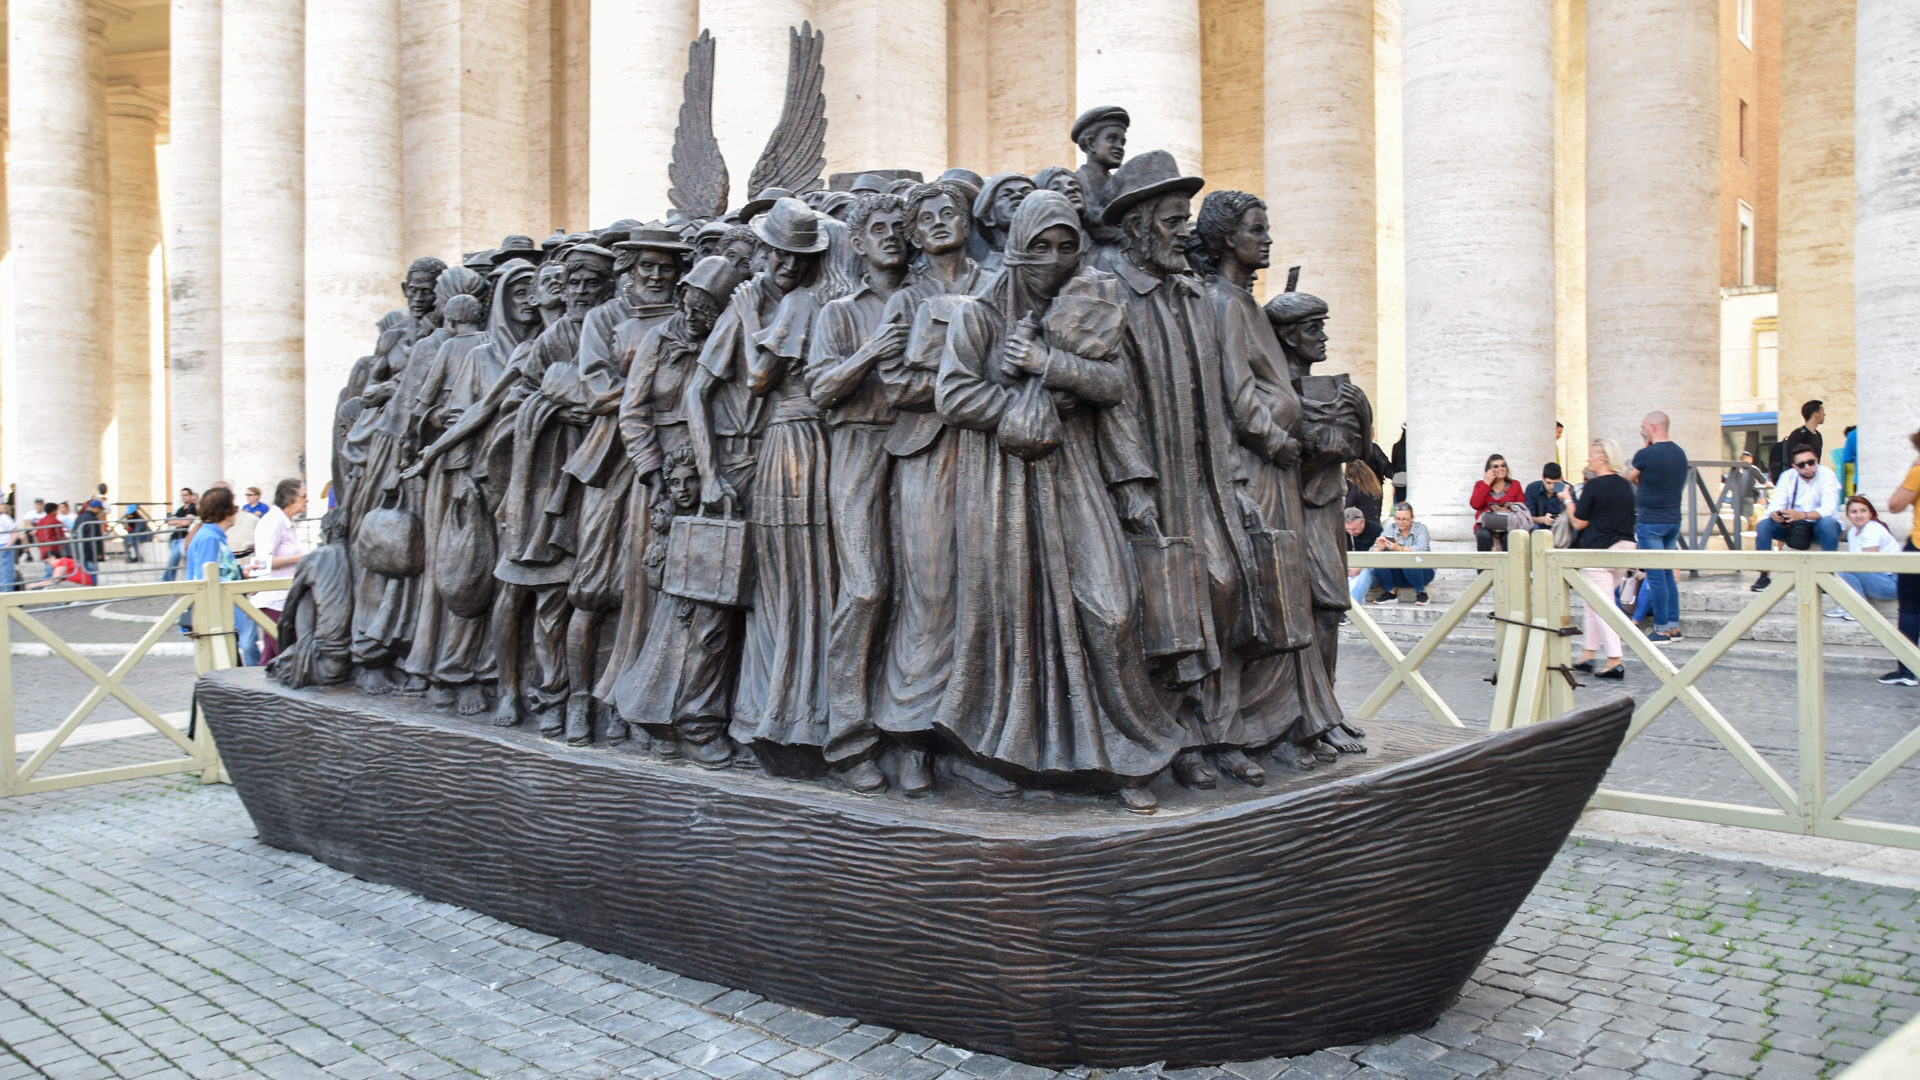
(1870, 585)
(176, 554)
(249, 639)
(1826, 530)
(1417, 580)
(1650, 536)
(6, 568)
(1359, 584)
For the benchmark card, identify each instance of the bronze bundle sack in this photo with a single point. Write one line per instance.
(1030, 428)
(1277, 616)
(391, 540)
(708, 560)
(1084, 325)
(1169, 595)
(464, 553)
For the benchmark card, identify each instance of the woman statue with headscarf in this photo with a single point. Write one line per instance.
(1049, 683)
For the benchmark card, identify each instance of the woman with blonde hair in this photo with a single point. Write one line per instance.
(1603, 516)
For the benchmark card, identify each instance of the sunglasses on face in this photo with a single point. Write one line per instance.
(1805, 464)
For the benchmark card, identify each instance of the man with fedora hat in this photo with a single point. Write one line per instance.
(1197, 488)
(647, 262)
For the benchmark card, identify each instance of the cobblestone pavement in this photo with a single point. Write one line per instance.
(148, 934)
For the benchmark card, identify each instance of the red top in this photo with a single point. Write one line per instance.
(49, 530)
(1484, 498)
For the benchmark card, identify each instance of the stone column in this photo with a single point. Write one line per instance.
(463, 95)
(132, 122)
(55, 231)
(749, 78)
(262, 239)
(886, 84)
(1320, 182)
(1030, 87)
(1815, 260)
(1479, 236)
(1653, 235)
(193, 245)
(1886, 266)
(639, 58)
(1145, 56)
(101, 265)
(354, 211)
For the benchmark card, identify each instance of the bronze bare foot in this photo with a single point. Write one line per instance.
(506, 713)
(440, 696)
(373, 681)
(416, 684)
(1321, 751)
(1343, 742)
(1235, 763)
(1193, 771)
(1353, 729)
(470, 700)
(1293, 756)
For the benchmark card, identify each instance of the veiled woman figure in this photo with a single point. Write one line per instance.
(1049, 683)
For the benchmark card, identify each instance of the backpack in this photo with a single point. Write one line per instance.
(1776, 460)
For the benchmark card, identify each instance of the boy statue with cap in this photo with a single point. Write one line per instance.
(1101, 134)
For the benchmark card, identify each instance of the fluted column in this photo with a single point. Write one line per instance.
(1653, 235)
(1320, 183)
(750, 77)
(194, 420)
(464, 94)
(1143, 55)
(354, 211)
(886, 84)
(1479, 194)
(1815, 261)
(639, 58)
(1030, 87)
(262, 240)
(1886, 237)
(132, 122)
(53, 219)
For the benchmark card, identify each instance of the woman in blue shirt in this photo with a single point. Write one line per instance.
(209, 545)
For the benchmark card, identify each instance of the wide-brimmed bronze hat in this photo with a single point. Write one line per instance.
(480, 262)
(762, 202)
(714, 275)
(1099, 114)
(791, 226)
(517, 246)
(653, 237)
(1144, 177)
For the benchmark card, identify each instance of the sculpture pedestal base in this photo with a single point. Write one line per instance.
(1323, 909)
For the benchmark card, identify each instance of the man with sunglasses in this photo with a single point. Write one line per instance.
(1805, 507)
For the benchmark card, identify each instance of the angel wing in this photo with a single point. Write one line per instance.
(796, 151)
(698, 173)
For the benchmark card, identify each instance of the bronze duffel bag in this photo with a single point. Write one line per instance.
(1277, 615)
(708, 560)
(1169, 596)
(464, 553)
(391, 541)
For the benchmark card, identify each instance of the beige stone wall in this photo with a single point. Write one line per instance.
(1233, 95)
(1390, 223)
(1030, 92)
(968, 43)
(887, 63)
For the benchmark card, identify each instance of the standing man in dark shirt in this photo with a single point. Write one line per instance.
(182, 516)
(1812, 415)
(1660, 468)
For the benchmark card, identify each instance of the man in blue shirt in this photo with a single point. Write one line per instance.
(1543, 496)
(1660, 470)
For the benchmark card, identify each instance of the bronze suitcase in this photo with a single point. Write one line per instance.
(1169, 595)
(1277, 615)
(708, 561)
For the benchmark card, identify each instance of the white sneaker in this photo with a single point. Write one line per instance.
(1841, 613)
(1390, 598)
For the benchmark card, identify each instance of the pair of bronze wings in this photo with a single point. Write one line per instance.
(796, 151)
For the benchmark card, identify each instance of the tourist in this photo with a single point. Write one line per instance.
(7, 541)
(137, 528)
(1543, 496)
(253, 504)
(1603, 516)
(1812, 415)
(209, 545)
(1865, 533)
(276, 551)
(48, 532)
(1805, 507)
(87, 529)
(1363, 490)
(1496, 493)
(1908, 585)
(183, 515)
(1362, 531)
(1660, 469)
(1404, 534)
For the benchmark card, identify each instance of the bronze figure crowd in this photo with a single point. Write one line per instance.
(1009, 482)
